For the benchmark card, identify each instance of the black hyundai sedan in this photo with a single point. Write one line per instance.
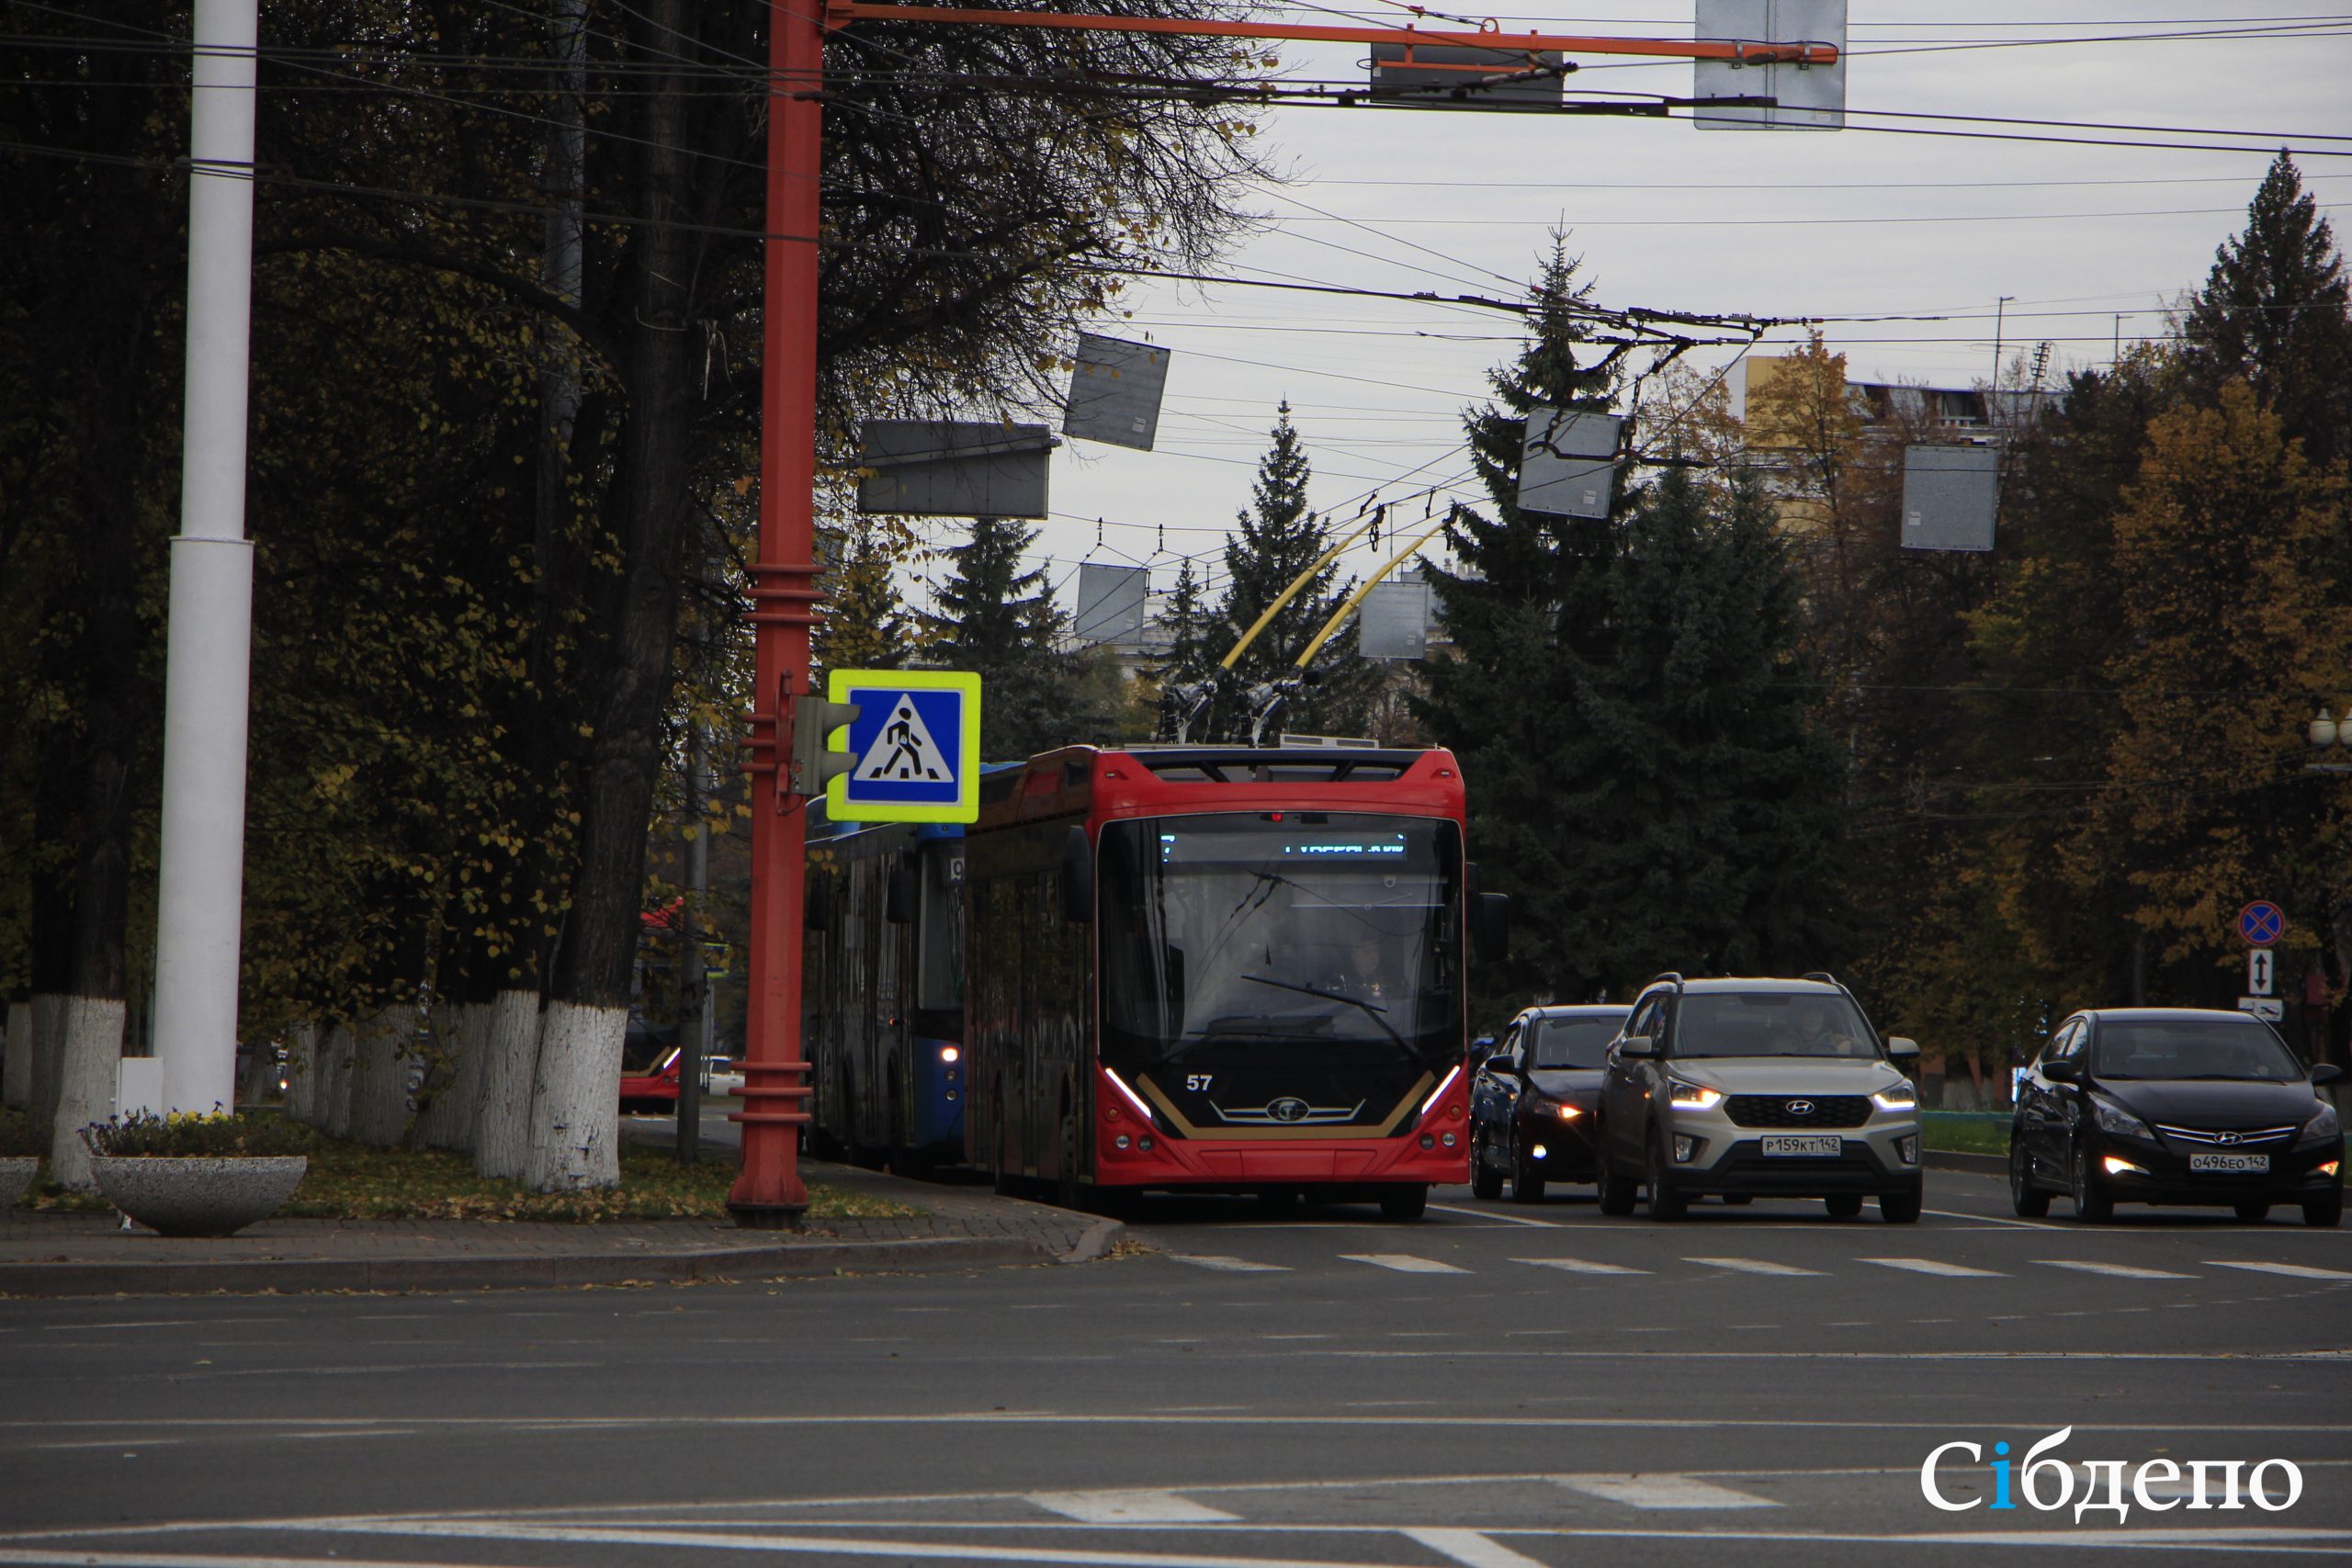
(1532, 1103)
(2175, 1105)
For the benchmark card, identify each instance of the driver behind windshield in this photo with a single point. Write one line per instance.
(1811, 1033)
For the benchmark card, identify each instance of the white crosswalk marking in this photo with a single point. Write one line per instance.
(1227, 1265)
(1934, 1265)
(1662, 1492)
(1130, 1509)
(1403, 1262)
(1751, 1266)
(1579, 1266)
(2118, 1270)
(2292, 1271)
(1472, 1549)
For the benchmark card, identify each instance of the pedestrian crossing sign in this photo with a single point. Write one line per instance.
(916, 741)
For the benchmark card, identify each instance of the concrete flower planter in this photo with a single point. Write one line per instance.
(201, 1195)
(16, 1174)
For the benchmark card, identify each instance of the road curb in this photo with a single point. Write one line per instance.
(1100, 1238)
(922, 1254)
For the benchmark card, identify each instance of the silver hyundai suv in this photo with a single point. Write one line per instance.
(1747, 1088)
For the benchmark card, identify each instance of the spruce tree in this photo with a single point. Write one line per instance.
(864, 623)
(1275, 541)
(2277, 312)
(1186, 679)
(1527, 615)
(999, 621)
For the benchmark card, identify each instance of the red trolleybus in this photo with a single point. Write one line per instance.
(1221, 968)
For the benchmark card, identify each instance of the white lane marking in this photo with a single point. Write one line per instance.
(1579, 1266)
(1661, 1492)
(1403, 1262)
(1491, 1217)
(1471, 1549)
(2118, 1270)
(2293, 1270)
(1996, 1221)
(1227, 1265)
(111, 1443)
(1751, 1266)
(1129, 1508)
(1934, 1265)
(95, 1327)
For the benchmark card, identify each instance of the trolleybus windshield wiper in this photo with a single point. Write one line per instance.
(1378, 1013)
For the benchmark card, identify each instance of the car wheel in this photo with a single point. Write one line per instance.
(1611, 1188)
(1484, 1180)
(1666, 1201)
(1408, 1200)
(2092, 1205)
(1843, 1205)
(2029, 1201)
(1526, 1177)
(2253, 1214)
(2326, 1213)
(1899, 1208)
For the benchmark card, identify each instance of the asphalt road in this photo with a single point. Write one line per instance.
(1497, 1387)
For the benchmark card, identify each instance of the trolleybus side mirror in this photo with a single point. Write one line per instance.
(1077, 878)
(1490, 926)
(899, 898)
(818, 915)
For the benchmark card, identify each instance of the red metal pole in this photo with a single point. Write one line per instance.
(769, 1194)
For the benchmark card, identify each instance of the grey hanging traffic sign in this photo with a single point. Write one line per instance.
(1809, 97)
(1394, 620)
(1568, 466)
(928, 467)
(1115, 392)
(1950, 496)
(1109, 604)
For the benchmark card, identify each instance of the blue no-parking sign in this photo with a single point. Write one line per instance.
(916, 745)
(2262, 923)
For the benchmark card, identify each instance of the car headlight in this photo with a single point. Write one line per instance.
(1569, 1112)
(1697, 1095)
(2324, 1125)
(1897, 1097)
(2113, 1118)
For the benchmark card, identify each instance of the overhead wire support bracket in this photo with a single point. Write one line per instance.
(841, 13)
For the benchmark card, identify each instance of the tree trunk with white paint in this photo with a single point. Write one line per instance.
(510, 1066)
(575, 1103)
(335, 1060)
(379, 1063)
(16, 1073)
(49, 1044)
(462, 1030)
(88, 1064)
(302, 1074)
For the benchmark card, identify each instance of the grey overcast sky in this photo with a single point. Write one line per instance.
(2086, 241)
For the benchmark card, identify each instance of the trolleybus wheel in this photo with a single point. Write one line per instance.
(1407, 1200)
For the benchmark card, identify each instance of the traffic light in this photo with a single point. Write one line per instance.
(813, 759)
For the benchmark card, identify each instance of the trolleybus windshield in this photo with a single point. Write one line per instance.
(1298, 940)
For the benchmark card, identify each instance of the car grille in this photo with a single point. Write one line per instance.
(2238, 1137)
(1772, 1110)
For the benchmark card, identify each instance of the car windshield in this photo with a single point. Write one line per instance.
(2193, 1049)
(1574, 1042)
(1771, 1023)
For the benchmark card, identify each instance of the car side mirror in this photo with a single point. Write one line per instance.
(1900, 1049)
(1637, 1046)
(2063, 1072)
(1078, 878)
(2325, 1073)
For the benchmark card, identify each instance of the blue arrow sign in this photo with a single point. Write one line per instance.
(916, 745)
(2262, 923)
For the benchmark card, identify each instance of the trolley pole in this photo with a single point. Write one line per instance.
(769, 1194)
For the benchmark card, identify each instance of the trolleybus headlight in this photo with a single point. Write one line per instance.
(1428, 1141)
(949, 1054)
(1120, 1141)
(1450, 1140)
